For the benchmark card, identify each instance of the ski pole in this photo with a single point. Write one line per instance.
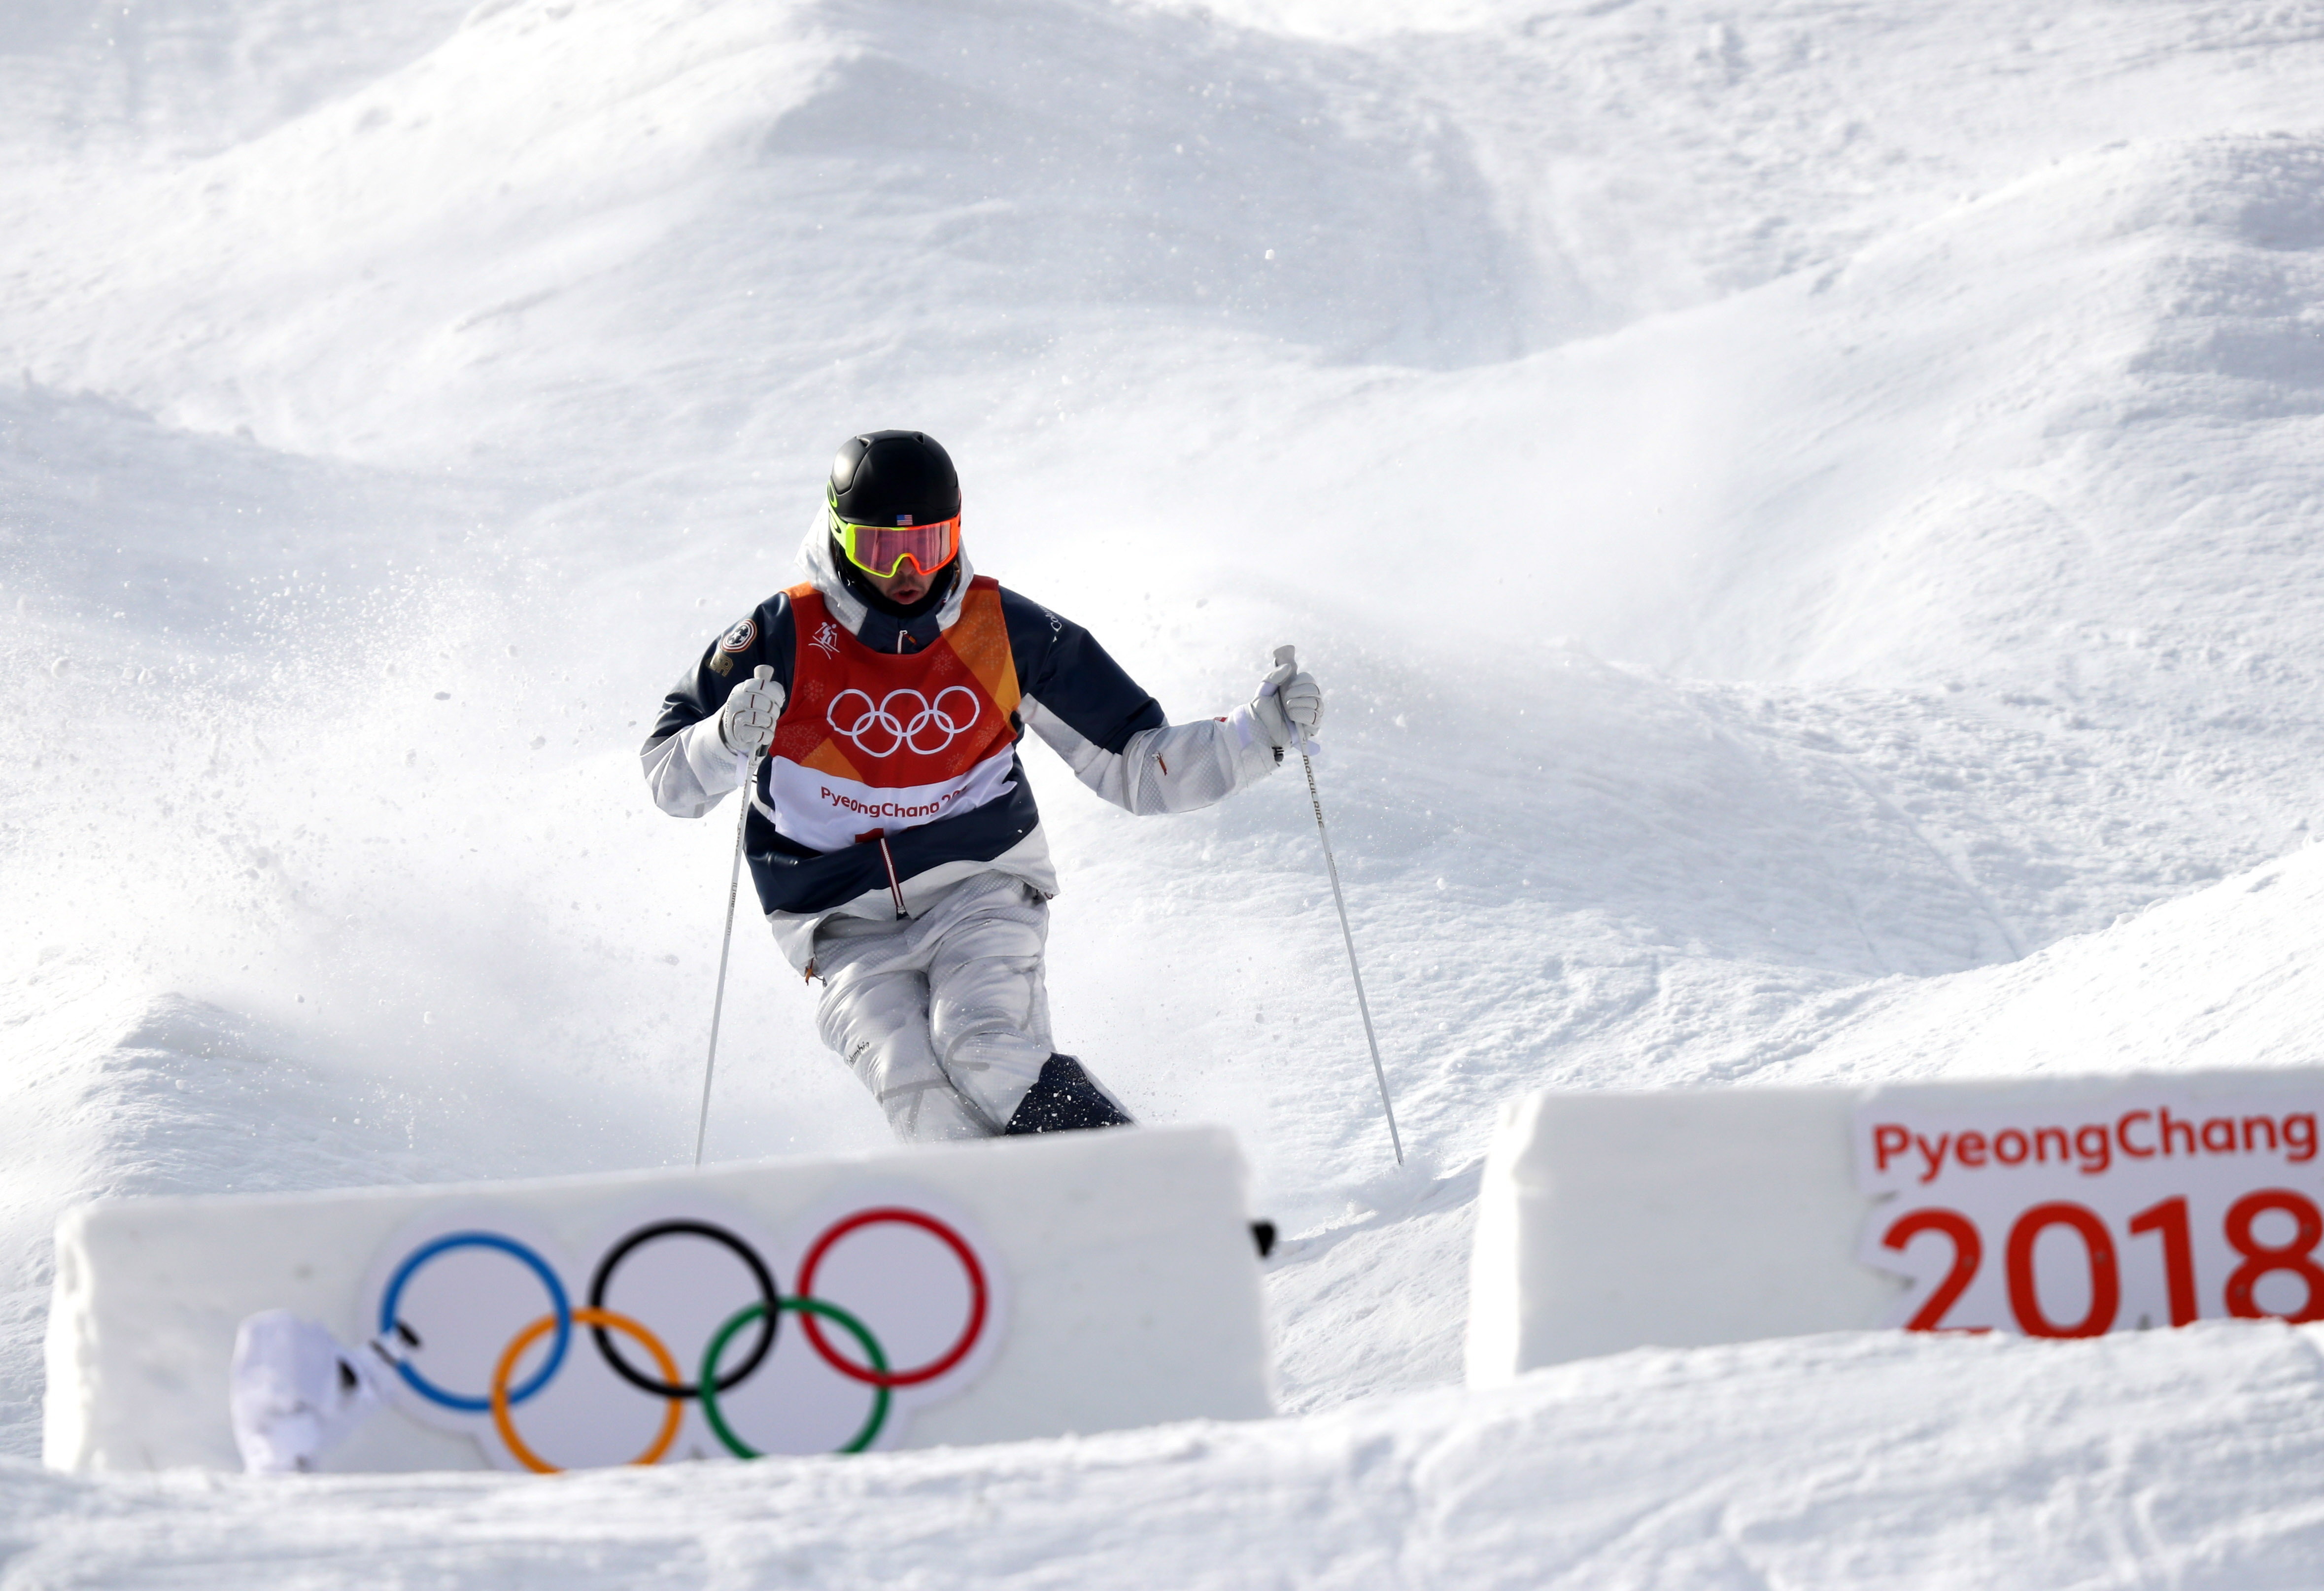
(726, 945)
(1287, 655)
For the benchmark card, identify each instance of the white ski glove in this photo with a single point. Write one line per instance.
(747, 722)
(1289, 706)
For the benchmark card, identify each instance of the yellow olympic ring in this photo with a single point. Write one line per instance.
(542, 1328)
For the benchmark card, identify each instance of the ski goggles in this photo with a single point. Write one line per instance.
(882, 549)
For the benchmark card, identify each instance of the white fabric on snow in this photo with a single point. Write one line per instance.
(294, 1393)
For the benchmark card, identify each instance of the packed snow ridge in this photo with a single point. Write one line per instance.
(1804, 516)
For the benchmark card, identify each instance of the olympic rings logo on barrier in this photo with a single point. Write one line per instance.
(882, 719)
(713, 1377)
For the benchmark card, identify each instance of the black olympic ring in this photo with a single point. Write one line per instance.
(876, 715)
(727, 1381)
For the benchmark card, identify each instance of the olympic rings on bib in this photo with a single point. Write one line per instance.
(867, 1364)
(882, 719)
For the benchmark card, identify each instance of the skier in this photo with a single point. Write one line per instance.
(892, 836)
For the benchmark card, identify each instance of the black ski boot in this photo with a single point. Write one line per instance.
(1066, 1099)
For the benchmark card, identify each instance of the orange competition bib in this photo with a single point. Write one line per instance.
(872, 743)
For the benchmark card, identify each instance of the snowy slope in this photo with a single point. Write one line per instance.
(2186, 1458)
(1802, 512)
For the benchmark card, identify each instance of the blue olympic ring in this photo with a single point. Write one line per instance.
(508, 1245)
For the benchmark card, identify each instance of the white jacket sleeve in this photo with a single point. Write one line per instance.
(691, 772)
(1176, 768)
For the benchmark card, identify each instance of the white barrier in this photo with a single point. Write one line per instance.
(983, 1292)
(2056, 1207)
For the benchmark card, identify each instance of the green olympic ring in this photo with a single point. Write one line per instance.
(751, 1312)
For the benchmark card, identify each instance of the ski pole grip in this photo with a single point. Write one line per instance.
(762, 675)
(1288, 657)
(1284, 658)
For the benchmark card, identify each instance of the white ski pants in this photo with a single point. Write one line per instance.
(944, 1017)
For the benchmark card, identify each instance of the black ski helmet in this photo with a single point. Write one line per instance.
(894, 478)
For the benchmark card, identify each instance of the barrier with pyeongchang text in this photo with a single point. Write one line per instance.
(979, 1292)
(2139, 1206)
(2050, 1207)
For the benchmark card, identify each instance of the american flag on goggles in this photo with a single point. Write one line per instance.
(882, 549)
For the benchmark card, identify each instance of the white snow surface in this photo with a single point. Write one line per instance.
(1803, 514)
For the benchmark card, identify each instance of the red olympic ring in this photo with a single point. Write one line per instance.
(895, 1378)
